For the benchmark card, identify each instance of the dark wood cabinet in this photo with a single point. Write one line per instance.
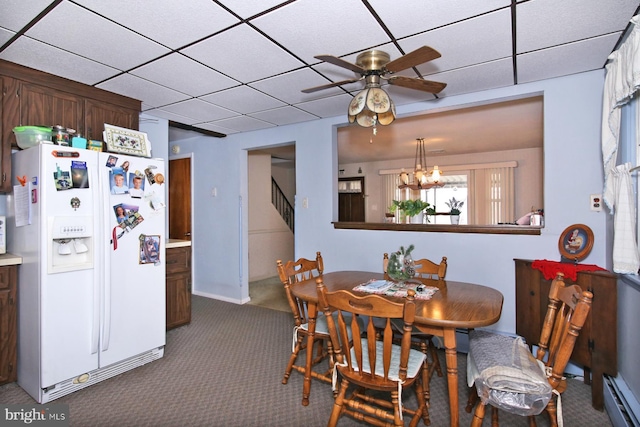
(31, 97)
(596, 347)
(178, 286)
(8, 324)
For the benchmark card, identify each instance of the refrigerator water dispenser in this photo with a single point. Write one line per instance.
(70, 243)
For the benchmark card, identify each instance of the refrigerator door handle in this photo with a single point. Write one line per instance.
(95, 328)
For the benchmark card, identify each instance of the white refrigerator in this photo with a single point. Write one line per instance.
(90, 228)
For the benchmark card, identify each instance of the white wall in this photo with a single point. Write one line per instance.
(572, 166)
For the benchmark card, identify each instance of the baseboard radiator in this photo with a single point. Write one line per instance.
(621, 405)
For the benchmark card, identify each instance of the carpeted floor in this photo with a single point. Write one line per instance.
(225, 369)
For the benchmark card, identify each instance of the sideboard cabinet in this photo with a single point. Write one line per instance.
(596, 347)
(31, 97)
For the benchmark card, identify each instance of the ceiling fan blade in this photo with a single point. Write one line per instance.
(328, 85)
(418, 84)
(341, 63)
(418, 56)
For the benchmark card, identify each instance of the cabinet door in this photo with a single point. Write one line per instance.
(98, 113)
(42, 106)
(530, 298)
(8, 326)
(178, 299)
(7, 111)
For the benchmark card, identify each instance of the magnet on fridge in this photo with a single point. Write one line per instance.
(34, 195)
(75, 203)
(22, 179)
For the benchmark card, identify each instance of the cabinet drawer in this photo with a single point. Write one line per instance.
(178, 260)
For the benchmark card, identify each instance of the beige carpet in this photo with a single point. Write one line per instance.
(269, 293)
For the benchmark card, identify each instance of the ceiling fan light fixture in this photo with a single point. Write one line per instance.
(372, 106)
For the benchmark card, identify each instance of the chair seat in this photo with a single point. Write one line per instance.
(414, 366)
(506, 374)
(322, 327)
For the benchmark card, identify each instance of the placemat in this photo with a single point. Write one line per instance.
(395, 289)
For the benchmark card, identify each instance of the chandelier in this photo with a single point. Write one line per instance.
(372, 105)
(421, 179)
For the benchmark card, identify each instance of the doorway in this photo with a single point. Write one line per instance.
(180, 198)
(351, 199)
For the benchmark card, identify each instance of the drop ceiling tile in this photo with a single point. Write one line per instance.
(402, 95)
(18, 13)
(568, 21)
(477, 40)
(335, 27)
(5, 36)
(96, 38)
(243, 99)
(249, 8)
(148, 92)
(199, 110)
(34, 54)
(243, 53)
(217, 128)
(159, 112)
(414, 16)
(175, 24)
(243, 124)
(284, 116)
(489, 75)
(585, 55)
(185, 75)
(327, 107)
(288, 87)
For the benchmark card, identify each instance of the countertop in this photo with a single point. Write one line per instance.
(176, 243)
(10, 259)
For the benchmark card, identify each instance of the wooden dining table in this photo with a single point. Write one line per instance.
(454, 305)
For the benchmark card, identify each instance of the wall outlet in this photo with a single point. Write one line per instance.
(305, 203)
(595, 202)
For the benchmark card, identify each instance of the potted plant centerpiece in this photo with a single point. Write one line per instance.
(454, 209)
(412, 209)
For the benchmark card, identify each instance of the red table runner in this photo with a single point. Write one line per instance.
(549, 269)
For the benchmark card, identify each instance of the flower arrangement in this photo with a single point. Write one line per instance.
(454, 206)
(401, 266)
(409, 207)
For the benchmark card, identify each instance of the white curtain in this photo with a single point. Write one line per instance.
(621, 82)
(626, 259)
(501, 195)
(389, 187)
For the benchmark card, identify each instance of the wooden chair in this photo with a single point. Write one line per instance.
(291, 273)
(566, 314)
(426, 269)
(372, 362)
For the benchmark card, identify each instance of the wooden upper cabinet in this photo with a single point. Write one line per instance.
(98, 113)
(42, 106)
(35, 98)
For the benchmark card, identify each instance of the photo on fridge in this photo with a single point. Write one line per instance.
(149, 249)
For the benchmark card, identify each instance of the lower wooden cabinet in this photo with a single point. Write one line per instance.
(178, 286)
(8, 324)
(596, 346)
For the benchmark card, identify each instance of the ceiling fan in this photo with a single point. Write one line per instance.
(373, 105)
